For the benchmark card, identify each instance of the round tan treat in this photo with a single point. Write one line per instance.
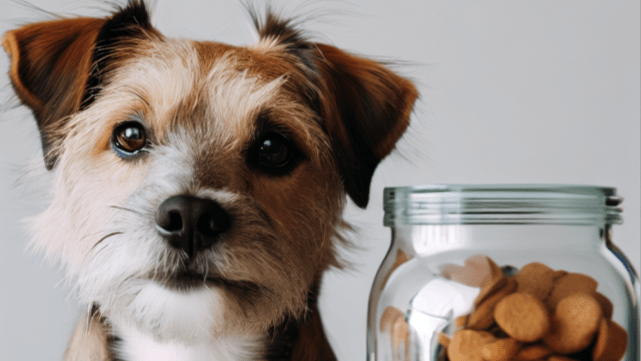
(466, 345)
(455, 273)
(536, 279)
(532, 352)
(570, 284)
(401, 257)
(444, 340)
(605, 303)
(390, 315)
(574, 324)
(400, 339)
(481, 267)
(560, 358)
(559, 273)
(476, 269)
(483, 316)
(493, 282)
(611, 343)
(523, 317)
(501, 350)
(461, 321)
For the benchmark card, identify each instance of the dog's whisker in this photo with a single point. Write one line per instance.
(157, 264)
(206, 273)
(104, 238)
(93, 254)
(126, 209)
(63, 280)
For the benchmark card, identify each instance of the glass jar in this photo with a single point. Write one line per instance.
(460, 253)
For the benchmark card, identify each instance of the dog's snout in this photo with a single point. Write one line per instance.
(190, 223)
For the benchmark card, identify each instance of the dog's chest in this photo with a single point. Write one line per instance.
(136, 346)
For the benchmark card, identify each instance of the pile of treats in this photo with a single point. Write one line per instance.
(539, 314)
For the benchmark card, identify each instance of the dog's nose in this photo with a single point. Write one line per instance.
(190, 223)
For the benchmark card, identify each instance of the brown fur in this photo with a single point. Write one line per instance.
(342, 112)
(40, 71)
(90, 340)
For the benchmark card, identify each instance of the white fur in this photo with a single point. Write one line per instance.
(137, 346)
(189, 317)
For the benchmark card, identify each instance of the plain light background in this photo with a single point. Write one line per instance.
(543, 91)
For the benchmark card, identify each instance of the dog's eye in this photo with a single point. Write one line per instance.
(128, 139)
(274, 151)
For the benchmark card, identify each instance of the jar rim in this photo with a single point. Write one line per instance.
(501, 204)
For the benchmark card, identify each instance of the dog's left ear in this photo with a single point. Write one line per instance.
(367, 109)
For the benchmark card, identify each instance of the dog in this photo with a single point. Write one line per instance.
(199, 186)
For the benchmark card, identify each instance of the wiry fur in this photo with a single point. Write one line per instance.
(204, 106)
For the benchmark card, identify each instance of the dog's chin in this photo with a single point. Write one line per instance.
(186, 311)
(189, 282)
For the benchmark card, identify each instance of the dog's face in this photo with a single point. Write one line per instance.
(199, 186)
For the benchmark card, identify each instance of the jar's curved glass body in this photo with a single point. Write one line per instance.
(428, 279)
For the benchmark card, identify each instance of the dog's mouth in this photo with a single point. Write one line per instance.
(189, 281)
(192, 278)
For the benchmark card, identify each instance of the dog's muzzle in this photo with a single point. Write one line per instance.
(191, 224)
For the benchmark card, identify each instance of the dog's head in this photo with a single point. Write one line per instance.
(199, 186)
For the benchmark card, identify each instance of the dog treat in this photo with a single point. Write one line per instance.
(536, 279)
(533, 352)
(389, 317)
(532, 314)
(606, 305)
(523, 317)
(444, 340)
(461, 321)
(481, 266)
(559, 273)
(461, 275)
(393, 322)
(569, 284)
(493, 281)
(401, 257)
(503, 349)
(611, 342)
(574, 324)
(400, 340)
(483, 315)
(466, 345)
(476, 269)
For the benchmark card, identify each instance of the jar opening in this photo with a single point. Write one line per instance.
(501, 204)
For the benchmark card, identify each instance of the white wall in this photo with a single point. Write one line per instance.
(540, 91)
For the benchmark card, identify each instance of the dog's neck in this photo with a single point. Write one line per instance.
(95, 339)
(133, 345)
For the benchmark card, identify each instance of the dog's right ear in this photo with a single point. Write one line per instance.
(50, 63)
(57, 66)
